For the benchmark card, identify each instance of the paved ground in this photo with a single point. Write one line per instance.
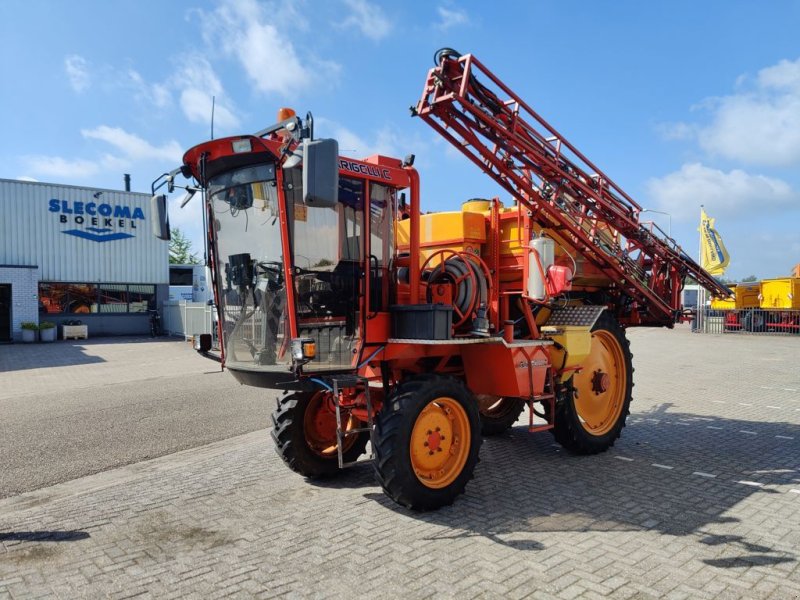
(79, 407)
(700, 499)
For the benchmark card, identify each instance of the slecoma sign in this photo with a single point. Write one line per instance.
(99, 221)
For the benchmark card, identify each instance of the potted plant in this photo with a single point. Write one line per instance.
(47, 331)
(29, 329)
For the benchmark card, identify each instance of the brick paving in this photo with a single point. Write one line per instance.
(699, 499)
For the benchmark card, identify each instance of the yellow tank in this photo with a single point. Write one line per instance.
(458, 231)
(781, 293)
(467, 230)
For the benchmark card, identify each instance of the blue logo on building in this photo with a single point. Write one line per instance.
(105, 220)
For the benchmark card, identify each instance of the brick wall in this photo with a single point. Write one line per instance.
(24, 282)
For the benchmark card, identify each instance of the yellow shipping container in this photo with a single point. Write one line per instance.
(747, 295)
(781, 293)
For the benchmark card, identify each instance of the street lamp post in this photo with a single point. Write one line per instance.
(661, 212)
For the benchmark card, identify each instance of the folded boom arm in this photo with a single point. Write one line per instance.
(565, 191)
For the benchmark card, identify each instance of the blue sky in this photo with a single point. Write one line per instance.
(681, 103)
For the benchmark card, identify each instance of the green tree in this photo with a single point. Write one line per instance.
(749, 278)
(180, 249)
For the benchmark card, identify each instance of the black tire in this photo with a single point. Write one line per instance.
(393, 441)
(570, 429)
(499, 417)
(292, 443)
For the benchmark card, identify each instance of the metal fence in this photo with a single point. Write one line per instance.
(748, 321)
(188, 318)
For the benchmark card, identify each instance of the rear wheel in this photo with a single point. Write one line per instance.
(498, 414)
(427, 442)
(304, 432)
(592, 410)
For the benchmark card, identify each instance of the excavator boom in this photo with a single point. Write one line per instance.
(566, 193)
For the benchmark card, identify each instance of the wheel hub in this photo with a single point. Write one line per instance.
(434, 441)
(319, 426)
(600, 382)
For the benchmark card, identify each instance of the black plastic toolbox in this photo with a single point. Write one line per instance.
(422, 321)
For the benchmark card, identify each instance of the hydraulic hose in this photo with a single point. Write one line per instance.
(467, 297)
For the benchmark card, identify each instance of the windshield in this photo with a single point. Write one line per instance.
(252, 291)
(327, 271)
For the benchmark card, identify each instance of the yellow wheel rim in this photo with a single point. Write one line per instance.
(602, 384)
(440, 443)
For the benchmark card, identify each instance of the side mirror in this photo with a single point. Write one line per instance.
(160, 222)
(321, 172)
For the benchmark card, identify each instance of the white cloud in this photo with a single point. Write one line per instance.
(130, 149)
(367, 18)
(676, 131)
(760, 123)
(60, 168)
(450, 17)
(27, 178)
(77, 69)
(132, 146)
(199, 83)
(156, 94)
(783, 76)
(384, 141)
(248, 32)
(732, 193)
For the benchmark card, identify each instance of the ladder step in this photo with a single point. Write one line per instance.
(353, 431)
(538, 428)
(352, 381)
(363, 461)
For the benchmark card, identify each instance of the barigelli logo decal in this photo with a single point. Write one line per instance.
(355, 167)
(104, 219)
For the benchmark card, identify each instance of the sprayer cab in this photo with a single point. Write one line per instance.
(300, 244)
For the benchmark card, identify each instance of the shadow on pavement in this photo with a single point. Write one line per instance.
(526, 485)
(44, 536)
(62, 353)
(19, 357)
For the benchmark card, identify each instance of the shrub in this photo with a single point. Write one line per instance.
(46, 325)
(29, 325)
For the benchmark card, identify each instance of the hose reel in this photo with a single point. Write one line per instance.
(467, 279)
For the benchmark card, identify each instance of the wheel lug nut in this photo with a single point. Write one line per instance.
(429, 432)
(438, 429)
(430, 453)
(439, 449)
(425, 444)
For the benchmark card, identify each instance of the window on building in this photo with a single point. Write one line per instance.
(70, 298)
(141, 298)
(85, 298)
(113, 298)
(180, 275)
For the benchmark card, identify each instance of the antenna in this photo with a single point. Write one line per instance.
(213, 103)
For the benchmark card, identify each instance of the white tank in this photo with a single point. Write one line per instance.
(546, 249)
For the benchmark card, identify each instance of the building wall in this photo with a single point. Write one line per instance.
(78, 234)
(24, 294)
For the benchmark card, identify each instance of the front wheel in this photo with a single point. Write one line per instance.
(427, 442)
(304, 432)
(591, 412)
